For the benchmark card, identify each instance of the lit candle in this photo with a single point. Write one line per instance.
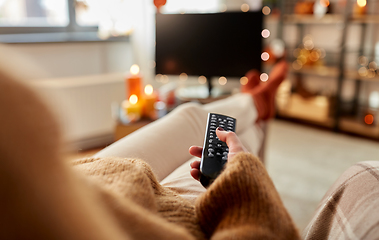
(134, 82)
(150, 98)
(360, 7)
(132, 108)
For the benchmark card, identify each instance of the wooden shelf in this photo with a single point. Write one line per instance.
(312, 19)
(327, 19)
(333, 72)
(321, 71)
(357, 127)
(374, 19)
(314, 110)
(353, 75)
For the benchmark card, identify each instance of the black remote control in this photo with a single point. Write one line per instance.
(215, 152)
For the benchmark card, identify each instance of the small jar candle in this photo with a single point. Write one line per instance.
(132, 108)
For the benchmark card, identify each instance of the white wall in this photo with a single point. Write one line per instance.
(79, 58)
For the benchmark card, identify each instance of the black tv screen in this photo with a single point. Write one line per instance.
(216, 44)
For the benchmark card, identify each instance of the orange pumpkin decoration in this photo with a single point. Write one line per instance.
(159, 3)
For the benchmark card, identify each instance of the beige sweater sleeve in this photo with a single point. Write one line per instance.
(243, 204)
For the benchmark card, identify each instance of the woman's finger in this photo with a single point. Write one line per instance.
(195, 173)
(195, 164)
(231, 139)
(196, 151)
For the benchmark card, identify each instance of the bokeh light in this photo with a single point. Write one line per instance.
(266, 10)
(223, 7)
(361, 3)
(264, 77)
(297, 65)
(164, 79)
(134, 69)
(149, 89)
(363, 71)
(363, 61)
(133, 99)
(265, 33)
(222, 80)
(244, 80)
(202, 79)
(372, 66)
(265, 56)
(183, 77)
(245, 7)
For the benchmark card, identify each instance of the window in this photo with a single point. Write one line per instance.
(33, 13)
(67, 19)
(42, 20)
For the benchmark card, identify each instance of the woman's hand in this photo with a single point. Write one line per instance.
(230, 138)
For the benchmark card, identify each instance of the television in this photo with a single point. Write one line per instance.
(208, 44)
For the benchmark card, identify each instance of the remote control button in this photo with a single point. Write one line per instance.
(210, 155)
(230, 119)
(210, 140)
(210, 145)
(219, 145)
(224, 120)
(225, 158)
(218, 154)
(227, 149)
(212, 127)
(211, 150)
(222, 125)
(225, 153)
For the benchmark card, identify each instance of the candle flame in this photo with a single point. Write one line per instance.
(133, 99)
(134, 69)
(149, 89)
(361, 3)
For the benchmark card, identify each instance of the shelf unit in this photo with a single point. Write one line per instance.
(335, 115)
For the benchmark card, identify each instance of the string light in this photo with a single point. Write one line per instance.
(202, 80)
(183, 77)
(244, 80)
(265, 56)
(245, 7)
(264, 77)
(266, 10)
(222, 80)
(265, 33)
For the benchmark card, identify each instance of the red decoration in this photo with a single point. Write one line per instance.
(159, 3)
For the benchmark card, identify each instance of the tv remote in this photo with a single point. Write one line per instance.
(215, 152)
